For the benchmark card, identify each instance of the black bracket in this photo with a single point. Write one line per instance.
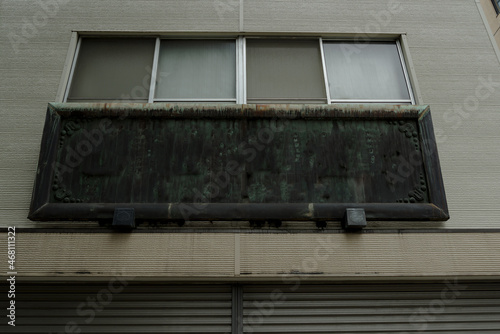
(124, 219)
(354, 219)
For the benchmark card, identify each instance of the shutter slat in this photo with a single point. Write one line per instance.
(346, 309)
(377, 308)
(133, 309)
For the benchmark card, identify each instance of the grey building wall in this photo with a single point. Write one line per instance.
(456, 71)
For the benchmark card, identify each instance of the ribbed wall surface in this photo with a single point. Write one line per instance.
(118, 308)
(224, 256)
(420, 308)
(370, 255)
(110, 254)
(447, 40)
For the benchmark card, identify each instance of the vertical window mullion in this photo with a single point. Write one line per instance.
(325, 74)
(154, 71)
(73, 65)
(405, 72)
(238, 75)
(240, 70)
(244, 69)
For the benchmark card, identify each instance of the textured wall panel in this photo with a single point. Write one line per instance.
(369, 255)
(255, 256)
(447, 40)
(83, 255)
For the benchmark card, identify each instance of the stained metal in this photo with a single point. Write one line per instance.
(124, 219)
(238, 162)
(354, 219)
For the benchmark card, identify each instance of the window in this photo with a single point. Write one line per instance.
(107, 68)
(284, 70)
(496, 4)
(239, 70)
(197, 70)
(243, 162)
(365, 72)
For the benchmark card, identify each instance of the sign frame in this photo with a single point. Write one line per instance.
(42, 209)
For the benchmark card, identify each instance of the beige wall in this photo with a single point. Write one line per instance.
(452, 55)
(256, 256)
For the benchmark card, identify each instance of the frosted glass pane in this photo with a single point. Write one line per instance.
(113, 69)
(365, 71)
(197, 69)
(284, 70)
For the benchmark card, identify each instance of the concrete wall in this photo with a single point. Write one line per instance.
(454, 62)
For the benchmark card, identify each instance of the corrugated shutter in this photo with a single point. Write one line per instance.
(134, 309)
(379, 308)
(342, 308)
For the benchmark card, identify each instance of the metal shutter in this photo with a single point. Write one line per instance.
(377, 308)
(346, 309)
(135, 309)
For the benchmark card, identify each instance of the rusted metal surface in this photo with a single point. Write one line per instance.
(288, 111)
(238, 162)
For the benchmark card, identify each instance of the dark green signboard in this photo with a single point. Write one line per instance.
(234, 162)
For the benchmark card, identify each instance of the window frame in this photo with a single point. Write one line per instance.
(288, 37)
(72, 71)
(411, 100)
(74, 60)
(241, 75)
(496, 5)
(154, 74)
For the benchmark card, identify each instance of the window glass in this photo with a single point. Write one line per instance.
(284, 71)
(365, 71)
(113, 69)
(278, 70)
(196, 69)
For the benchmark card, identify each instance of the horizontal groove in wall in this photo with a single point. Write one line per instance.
(251, 231)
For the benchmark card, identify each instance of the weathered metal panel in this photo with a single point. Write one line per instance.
(121, 306)
(188, 162)
(372, 308)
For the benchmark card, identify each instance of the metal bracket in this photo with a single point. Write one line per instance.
(124, 219)
(354, 219)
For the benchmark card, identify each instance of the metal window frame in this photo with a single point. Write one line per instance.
(68, 63)
(325, 76)
(402, 62)
(241, 71)
(405, 71)
(72, 71)
(69, 76)
(155, 71)
(241, 84)
(281, 99)
(496, 5)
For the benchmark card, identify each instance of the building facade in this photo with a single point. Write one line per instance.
(407, 273)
